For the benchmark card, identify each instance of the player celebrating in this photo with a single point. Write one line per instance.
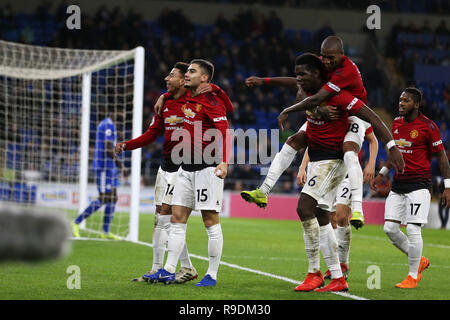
(106, 167)
(199, 184)
(409, 199)
(340, 217)
(167, 122)
(325, 172)
(342, 75)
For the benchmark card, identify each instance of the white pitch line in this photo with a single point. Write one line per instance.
(235, 266)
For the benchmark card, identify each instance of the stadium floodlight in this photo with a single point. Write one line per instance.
(51, 101)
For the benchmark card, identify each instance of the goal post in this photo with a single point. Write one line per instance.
(51, 103)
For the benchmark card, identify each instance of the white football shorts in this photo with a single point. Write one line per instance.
(198, 190)
(344, 193)
(410, 207)
(324, 178)
(356, 130)
(164, 186)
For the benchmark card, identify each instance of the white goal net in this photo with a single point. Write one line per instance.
(53, 106)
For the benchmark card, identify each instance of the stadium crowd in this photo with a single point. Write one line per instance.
(250, 43)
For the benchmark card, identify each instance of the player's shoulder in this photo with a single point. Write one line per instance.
(397, 120)
(427, 122)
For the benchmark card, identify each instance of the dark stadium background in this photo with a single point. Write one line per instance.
(245, 38)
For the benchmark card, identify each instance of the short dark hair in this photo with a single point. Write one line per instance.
(415, 93)
(207, 66)
(312, 63)
(182, 66)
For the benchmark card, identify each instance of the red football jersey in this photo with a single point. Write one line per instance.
(171, 119)
(346, 77)
(205, 111)
(417, 141)
(325, 138)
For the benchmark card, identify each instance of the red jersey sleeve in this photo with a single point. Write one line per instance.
(222, 96)
(347, 101)
(155, 129)
(217, 114)
(436, 144)
(341, 78)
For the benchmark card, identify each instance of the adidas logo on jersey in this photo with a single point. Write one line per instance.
(396, 131)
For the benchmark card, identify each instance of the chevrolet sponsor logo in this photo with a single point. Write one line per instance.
(403, 143)
(172, 120)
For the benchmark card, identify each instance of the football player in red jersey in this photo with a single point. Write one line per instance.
(199, 183)
(167, 122)
(343, 74)
(409, 199)
(325, 173)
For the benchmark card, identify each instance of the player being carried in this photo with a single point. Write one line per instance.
(199, 183)
(342, 75)
(409, 199)
(326, 171)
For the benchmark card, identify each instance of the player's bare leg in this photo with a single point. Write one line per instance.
(355, 176)
(280, 163)
(215, 246)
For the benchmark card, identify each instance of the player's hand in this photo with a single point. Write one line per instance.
(368, 174)
(301, 177)
(445, 199)
(254, 81)
(119, 148)
(282, 117)
(375, 182)
(159, 104)
(330, 113)
(396, 158)
(221, 170)
(204, 88)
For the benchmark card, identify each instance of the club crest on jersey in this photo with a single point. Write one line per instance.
(187, 111)
(198, 107)
(403, 143)
(414, 134)
(173, 119)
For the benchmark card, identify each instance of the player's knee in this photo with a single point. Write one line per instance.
(341, 220)
(391, 228)
(413, 229)
(323, 218)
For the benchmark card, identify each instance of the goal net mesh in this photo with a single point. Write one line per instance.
(40, 137)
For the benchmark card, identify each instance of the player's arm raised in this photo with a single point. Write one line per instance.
(444, 167)
(288, 82)
(369, 170)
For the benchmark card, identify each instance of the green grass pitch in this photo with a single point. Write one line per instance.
(271, 251)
